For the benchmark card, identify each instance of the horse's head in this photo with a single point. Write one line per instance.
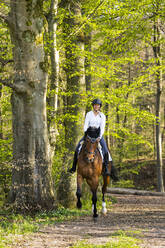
(91, 143)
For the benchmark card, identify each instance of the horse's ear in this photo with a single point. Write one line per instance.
(85, 134)
(98, 131)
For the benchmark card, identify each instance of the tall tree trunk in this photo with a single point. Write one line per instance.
(31, 175)
(75, 86)
(122, 121)
(88, 77)
(106, 108)
(54, 75)
(157, 55)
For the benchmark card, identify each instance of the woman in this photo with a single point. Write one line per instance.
(97, 119)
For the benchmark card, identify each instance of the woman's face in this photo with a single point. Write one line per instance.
(96, 107)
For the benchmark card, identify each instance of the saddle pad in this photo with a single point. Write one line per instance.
(100, 150)
(81, 143)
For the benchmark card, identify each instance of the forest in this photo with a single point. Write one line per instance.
(56, 56)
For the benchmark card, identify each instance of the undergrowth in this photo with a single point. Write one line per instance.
(13, 226)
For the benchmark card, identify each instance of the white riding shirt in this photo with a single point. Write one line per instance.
(92, 120)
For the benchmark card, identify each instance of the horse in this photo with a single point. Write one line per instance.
(90, 167)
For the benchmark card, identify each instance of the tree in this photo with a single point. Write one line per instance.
(32, 186)
(158, 105)
(75, 87)
(54, 71)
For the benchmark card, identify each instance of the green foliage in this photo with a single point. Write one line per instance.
(122, 68)
(5, 110)
(5, 47)
(125, 183)
(5, 144)
(13, 225)
(59, 215)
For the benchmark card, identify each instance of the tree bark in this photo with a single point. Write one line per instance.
(88, 77)
(75, 74)
(75, 87)
(32, 186)
(54, 75)
(158, 76)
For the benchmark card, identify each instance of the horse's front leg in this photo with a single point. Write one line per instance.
(93, 184)
(94, 202)
(106, 180)
(79, 190)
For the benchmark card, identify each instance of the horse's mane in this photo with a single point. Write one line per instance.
(93, 132)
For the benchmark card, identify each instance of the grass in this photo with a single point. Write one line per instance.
(12, 226)
(119, 239)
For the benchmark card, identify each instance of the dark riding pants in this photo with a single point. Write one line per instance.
(104, 146)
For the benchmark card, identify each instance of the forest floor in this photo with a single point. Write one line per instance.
(143, 217)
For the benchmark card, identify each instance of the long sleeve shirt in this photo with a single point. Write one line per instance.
(95, 121)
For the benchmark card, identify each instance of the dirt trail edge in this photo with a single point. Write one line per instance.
(144, 216)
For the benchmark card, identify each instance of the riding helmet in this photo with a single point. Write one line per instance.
(97, 101)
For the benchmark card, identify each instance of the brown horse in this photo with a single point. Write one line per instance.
(90, 167)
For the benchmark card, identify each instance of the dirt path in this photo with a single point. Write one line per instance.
(142, 215)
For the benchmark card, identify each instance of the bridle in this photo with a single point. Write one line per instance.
(92, 140)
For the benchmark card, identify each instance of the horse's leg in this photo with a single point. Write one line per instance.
(106, 180)
(79, 190)
(94, 202)
(93, 183)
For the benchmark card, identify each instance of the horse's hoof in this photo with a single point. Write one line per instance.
(79, 205)
(104, 213)
(95, 216)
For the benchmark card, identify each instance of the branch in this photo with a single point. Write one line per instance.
(4, 18)
(5, 61)
(162, 28)
(19, 88)
(84, 22)
(52, 11)
(7, 82)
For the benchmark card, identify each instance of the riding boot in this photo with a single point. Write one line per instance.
(113, 173)
(106, 162)
(73, 169)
